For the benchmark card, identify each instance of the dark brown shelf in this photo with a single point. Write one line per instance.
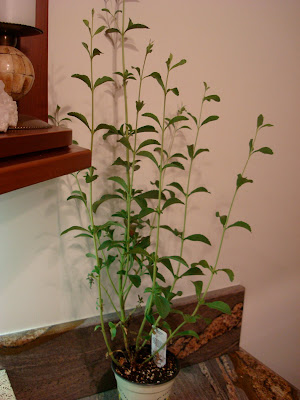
(25, 170)
(16, 142)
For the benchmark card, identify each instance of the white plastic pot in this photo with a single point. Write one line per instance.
(142, 391)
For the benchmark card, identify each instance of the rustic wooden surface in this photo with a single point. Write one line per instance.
(66, 362)
(16, 142)
(234, 376)
(36, 49)
(24, 170)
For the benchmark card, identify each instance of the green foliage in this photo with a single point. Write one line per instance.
(127, 246)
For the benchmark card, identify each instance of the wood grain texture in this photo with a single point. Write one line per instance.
(16, 142)
(61, 363)
(25, 170)
(36, 49)
(225, 378)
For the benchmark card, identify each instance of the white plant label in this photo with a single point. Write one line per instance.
(158, 338)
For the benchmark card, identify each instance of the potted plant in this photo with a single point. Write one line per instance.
(126, 248)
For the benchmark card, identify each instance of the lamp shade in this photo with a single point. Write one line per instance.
(18, 11)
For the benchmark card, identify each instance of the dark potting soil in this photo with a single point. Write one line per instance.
(148, 373)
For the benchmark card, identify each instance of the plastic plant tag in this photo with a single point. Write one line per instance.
(159, 337)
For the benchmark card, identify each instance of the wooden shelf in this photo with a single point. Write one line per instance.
(25, 170)
(16, 142)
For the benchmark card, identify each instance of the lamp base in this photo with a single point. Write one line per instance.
(29, 122)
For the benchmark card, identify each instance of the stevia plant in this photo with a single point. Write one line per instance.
(130, 239)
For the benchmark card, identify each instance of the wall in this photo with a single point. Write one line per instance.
(248, 52)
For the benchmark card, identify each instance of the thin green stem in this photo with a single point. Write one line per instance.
(154, 276)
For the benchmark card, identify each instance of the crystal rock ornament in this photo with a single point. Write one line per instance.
(8, 110)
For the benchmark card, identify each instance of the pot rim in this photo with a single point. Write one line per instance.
(150, 384)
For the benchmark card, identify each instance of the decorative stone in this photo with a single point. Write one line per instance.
(8, 110)
(16, 71)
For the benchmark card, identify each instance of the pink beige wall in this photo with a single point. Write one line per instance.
(248, 53)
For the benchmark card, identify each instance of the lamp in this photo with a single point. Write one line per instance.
(16, 70)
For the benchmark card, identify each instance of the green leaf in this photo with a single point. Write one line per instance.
(146, 211)
(81, 117)
(229, 272)
(139, 105)
(147, 143)
(174, 164)
(191, 150)
(223, 218)
(151, 194)
(168, 228)
(220, 306)
(167, 263)
(178, 118)
(125, 143)
(148, 155)
(109, 127)
(177, 186)
(86, 47)
(83, 78)
(171, 201)
(192, 271)
(264, 150)
(194, 118)
(175, 258)
(204, 264)
(96, 52)
(139, 250)
(74, 228)
(99, 30)
(188, 333)
(78, 197)
(199, 151)
(251, 146)
(162, 305)
(113, 330)
(112, 30)
(120, 181)
(181, 62)
(198, 238)
(135, 280)
(146, 128)
(240, 224)
(190, 319)
(131, 25)
(179, 155)
(260, 120)
(174, 90)
(153, 116)
(86, 23)
(200, 189)
(104, 198)
(140, 201)
(84, 235)
(213, 97)
(99, 82)
(90, 255)
(157, 76)
(241, 181)
(150, 319)
(209, 119)
(198, 286)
